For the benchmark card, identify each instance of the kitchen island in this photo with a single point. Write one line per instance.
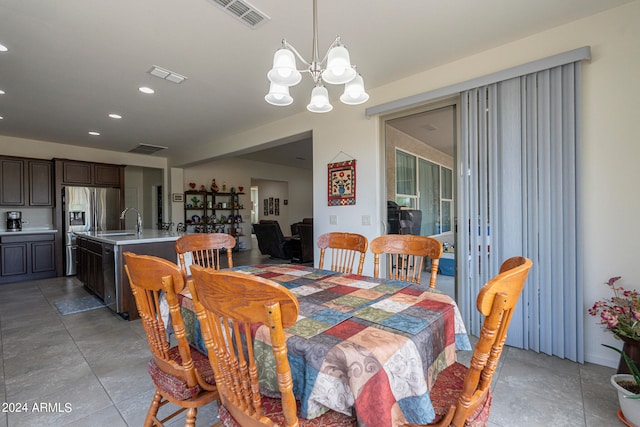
(100, 264)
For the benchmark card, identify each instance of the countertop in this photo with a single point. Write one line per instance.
(27, 231)
(130, 237)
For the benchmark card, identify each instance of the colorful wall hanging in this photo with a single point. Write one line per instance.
(342, 183)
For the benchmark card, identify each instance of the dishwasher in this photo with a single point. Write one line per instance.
(109, 276)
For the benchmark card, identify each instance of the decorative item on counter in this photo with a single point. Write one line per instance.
(214, 186)
(240, 188)
(181, 228)
(165, 226)
(196, 202)
(238, 218)
(223, 219)
(192, 185)
(202, 187)
(224, 186)
(195, 219)
(233, 190)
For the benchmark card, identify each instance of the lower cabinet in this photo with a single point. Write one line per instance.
(89, 265)
(27, 257)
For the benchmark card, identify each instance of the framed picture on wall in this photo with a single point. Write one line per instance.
(270, 205)
(276, 207)
(178, 197)
(265, 204)
(342, 183)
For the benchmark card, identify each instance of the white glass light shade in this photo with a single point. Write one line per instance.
(284, 69)
(278, 95)
(354, 93)
(339, 70)
(319, 100)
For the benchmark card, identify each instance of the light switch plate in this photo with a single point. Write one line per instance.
(333, 220)
(366, 219)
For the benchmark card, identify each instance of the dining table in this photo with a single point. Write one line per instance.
(367, 346)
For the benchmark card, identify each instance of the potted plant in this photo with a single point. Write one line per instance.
(620, 314)
(628, 388)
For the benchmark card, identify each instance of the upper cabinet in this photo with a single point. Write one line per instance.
(40, 182)
(26, 182)
(87, 173)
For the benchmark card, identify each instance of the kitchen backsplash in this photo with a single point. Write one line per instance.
(33, 218)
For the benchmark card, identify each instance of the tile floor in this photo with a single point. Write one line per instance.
(89, 369)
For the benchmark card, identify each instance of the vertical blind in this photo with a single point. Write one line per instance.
(519, 155)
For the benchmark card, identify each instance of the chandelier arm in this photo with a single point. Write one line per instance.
(289, 46)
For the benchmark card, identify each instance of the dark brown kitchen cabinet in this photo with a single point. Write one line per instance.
(93, 174)
(40, 183)
(89, 265)
(27, 257)
(12, 187)
(26, 182)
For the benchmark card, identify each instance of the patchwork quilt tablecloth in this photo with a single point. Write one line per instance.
(360, 343)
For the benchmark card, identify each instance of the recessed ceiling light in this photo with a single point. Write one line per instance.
(145, 89)
(94, 133)
(1, 117)
(2, 92)
(3, 48)
(115, 116)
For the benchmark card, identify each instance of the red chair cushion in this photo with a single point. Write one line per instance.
(176, 387)
(272, 408)
(447, 389)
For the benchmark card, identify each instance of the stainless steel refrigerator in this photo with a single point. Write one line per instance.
(87, 209)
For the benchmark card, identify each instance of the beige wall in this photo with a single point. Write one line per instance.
(609, 165)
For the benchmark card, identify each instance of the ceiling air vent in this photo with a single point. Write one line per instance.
(243, 11)
(147, 149)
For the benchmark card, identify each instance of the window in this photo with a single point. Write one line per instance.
(427, 186)
(406, 177)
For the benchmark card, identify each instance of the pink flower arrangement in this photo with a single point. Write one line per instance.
(621, 313)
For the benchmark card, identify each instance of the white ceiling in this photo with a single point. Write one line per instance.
(71, 62)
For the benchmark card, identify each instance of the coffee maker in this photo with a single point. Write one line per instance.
(14, 221)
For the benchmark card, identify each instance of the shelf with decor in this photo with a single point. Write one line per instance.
(214, 212)
(195, 207)
(225, 213)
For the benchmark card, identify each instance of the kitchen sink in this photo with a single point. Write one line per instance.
(115, 233)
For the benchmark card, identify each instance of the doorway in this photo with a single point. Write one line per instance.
(420, 156)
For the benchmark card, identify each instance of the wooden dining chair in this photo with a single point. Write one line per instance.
(205, 249)
(405, 256)
(461, 396)
(229, 306)
(181, 374)
(345, 247)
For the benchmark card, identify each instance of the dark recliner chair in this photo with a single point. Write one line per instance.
(306, 242)
(303, 244)
(294, 226)
(271, 241)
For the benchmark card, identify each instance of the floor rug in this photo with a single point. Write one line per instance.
(78, 305)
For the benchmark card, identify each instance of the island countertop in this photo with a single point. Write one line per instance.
(130, 237)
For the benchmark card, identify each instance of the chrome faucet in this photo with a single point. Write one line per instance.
(139, 223)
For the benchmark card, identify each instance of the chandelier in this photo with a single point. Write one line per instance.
(338, 70)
